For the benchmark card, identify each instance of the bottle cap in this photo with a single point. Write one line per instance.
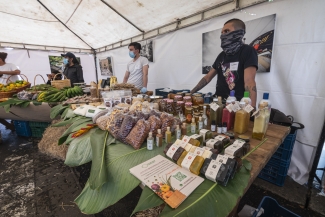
(168, 128)
(232, 93)
(150, 134)
(266, 96)
(159, 131)
(200, 118)
(215, 99)
(246, 94)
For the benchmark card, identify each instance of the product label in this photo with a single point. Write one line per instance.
(239, 142)
(229, 107)
(188, 147)
(224, 130)
(234, 66)
(200, 125)
(157, 141)
(178, 134)
(171, 151)
(149, 144)
(220, 137)
(210, 143)
(203, 132)
(222, 159)
(213, 128)
(108, 102)
(184, 141)
(219, 129)
(248, 108)
(193, 128)
(213, 170)
(206, 148)
(195, 136)
(214, 106)
(235, 107)
(231, 150)
(188, 160)
(199, 151)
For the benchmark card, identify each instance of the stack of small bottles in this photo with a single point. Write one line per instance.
(190, 154)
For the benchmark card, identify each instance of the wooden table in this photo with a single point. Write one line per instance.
(259, 158)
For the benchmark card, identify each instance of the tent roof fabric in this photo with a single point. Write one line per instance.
(93, 24)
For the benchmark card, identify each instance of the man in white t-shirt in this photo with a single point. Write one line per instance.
(7, 70)
(137, 69)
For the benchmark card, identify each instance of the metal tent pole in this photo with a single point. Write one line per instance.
(312, 173)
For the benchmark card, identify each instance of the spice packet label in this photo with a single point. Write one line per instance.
(188, 160)
(210, 143)
(235, 107)
(171, 151)
(186, 139)
(239, 142)
(182, 144)
(199, 151)
(213, 170)
(229, 107)
(220, 137)
(248, 108)
(188, 147)
(195, 136)
(231, 150)
(222, 158)
(214, 106)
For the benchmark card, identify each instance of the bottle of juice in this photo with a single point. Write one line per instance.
(184, 129)
(246, 98)
(159, 138)
(262, 118)
(168, 135)
(241, 119)
(193, 126)
(219, 110)
(227, 116)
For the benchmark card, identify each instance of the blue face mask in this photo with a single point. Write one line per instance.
(131, 54)
(65, 61)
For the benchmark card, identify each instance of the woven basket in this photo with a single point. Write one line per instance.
(61, 83)
(13, 92)
(33, 89)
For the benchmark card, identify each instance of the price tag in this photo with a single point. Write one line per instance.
(235, 107)
(214, 106)
(248, 108)
(229, 107)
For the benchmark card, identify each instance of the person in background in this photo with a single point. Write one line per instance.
(52, 75)
(235, 66)
(137, 69)
(73, 70)
(7, 70)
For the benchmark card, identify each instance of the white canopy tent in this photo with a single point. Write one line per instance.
(85, 25)
(105, 27)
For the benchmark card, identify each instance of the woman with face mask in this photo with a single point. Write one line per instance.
(235, 66)
(73, 70)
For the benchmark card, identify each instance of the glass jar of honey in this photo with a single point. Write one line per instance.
(197, 99)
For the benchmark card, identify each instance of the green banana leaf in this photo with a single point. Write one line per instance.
(56, 110)
(67, 122)
(119, 159)
(69, 114)
(79, 151)
(80, 123)
(98, 174)
(64, 113)
(148, 199)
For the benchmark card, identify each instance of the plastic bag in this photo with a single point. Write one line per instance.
(126, 127)
(142, 115)
(166, 121)
(115, 126)
(102, 122)
(138, 134)
(99, 114)
(155, 112)
(82, 110)
(155, 124)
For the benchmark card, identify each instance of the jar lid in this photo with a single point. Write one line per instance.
(169, 100)
(178, 96)
(180, 102)
(187, 97)
(188, 104)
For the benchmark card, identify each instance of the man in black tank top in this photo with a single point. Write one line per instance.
(235, 66)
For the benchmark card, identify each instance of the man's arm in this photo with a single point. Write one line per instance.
(250, 85)
(205, 80)
(15, 72)
(126, 77)
(145, 70)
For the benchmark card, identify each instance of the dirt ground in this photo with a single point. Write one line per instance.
(33, 184)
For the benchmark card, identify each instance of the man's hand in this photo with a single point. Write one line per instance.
(250, 84)
(205, 80)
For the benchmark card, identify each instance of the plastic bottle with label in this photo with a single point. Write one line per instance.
(246, 99)
(262, 117)
(159, 138)
(241, 119)
(229, 116)
(168, 135)
(184, 129)
(178, 132)
(205, 118)
(200, 123)
(150, 142)
(213, 110)
(193, 126)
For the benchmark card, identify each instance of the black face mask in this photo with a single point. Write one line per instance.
(232, 41)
